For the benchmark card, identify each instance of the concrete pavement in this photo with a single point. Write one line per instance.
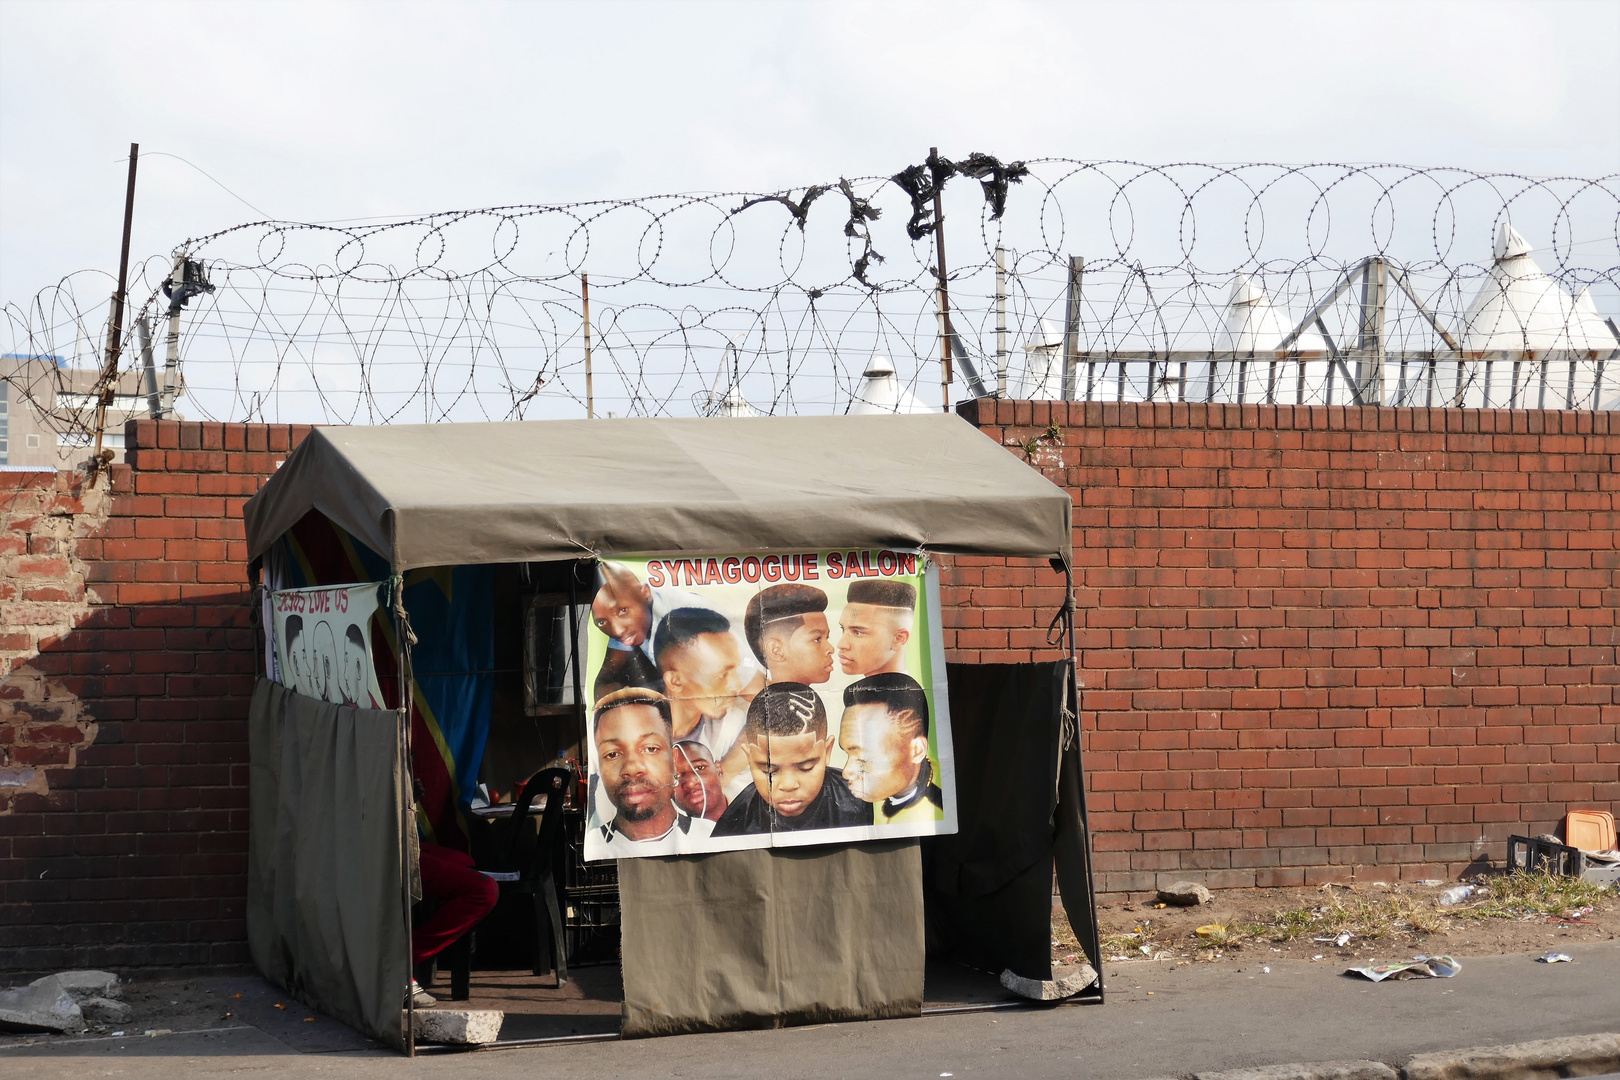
(1160, 1021)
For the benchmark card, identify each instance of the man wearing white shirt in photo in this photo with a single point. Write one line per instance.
(631, 729)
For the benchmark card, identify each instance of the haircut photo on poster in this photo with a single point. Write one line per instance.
(323, 643)
(765, 700)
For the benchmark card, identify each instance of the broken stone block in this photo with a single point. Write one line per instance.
(86, 984)
(1316, 1070)
(465, 1026)
(1065, 982)
(100, 1010)
(43, 1005)
(1185, 894)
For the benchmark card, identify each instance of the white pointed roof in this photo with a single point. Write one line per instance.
(1253, 325)
(1043, 363)
(734, 404)
(1046, 336)
(1592, 321)
(1520, 307)
(1510, 244)
(880, 392)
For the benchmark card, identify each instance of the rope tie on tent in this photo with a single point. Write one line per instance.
(402, 619)
(1062, 624)
(1069, 724)
(395, 599)
(1063, 628)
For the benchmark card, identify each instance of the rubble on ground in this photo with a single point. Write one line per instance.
(43, 1005)
(1185, 894)
(65, 1002)
(463, 1026)
(1066, 981)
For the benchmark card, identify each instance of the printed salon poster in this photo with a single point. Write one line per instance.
(766, 700)
(323, 643)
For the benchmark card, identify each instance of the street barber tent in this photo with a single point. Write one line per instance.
(333, 836)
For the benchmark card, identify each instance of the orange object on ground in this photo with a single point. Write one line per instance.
(1589, 830)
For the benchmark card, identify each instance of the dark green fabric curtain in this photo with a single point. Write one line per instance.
(327, 850)
(771, 938)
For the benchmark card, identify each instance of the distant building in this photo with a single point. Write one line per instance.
(880, 392)
(48, 412)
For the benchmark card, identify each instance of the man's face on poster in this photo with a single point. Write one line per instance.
(788, 770)
(323, 660)
(804, 656)
(881, 763)
(870, 639)
(705, 675)
(298, 660)
(623, 609)
(697, 781)
(354, 671)
(633, 752)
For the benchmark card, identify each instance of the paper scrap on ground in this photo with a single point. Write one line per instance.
(1554, 958)
(1421, 967)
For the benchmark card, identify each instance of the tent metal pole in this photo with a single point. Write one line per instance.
(408, 800)
(1094, 938)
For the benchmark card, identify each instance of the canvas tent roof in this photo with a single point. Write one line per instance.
(452, 494)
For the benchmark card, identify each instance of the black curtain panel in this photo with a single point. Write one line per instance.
(988, 888)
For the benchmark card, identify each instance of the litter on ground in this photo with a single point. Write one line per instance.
(1421, 967)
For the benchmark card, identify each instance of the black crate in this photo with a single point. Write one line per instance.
(1536, 856)
(590, 898)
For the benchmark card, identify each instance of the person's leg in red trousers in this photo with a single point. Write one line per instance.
(464, 896)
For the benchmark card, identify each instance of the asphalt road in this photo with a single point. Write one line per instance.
(1160, 1021)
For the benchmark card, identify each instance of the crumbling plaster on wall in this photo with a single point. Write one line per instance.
(43, 598)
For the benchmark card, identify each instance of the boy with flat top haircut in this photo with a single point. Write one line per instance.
(875, 626)
(786, 626)
(787, 746)
(884, 733)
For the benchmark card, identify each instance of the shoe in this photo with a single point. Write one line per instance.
(420, 998)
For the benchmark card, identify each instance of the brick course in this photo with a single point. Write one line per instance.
(1320, 643)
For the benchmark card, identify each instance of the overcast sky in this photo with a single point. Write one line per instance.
(322, 111)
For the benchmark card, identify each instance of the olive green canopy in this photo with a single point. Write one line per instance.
(457, 494)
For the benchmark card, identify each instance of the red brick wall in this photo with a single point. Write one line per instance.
(1320, 643)
(1315, 642)
(126, 662)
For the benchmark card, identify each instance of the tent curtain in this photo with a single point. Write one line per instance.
(772, 937)
(327, 834)
(989, 887)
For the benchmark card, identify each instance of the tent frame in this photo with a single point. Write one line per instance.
(981, 487)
